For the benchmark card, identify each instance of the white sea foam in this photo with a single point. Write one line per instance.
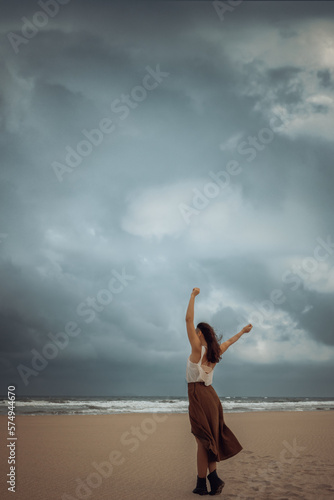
(112, 405)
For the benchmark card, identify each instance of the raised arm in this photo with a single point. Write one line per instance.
(192, 336)
(225, 345)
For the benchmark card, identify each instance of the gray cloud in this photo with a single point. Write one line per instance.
(325, 77)
(118, 208)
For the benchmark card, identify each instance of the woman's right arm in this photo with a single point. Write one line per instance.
(225, 345)
(192, 336)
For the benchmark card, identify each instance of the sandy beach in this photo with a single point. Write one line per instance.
(140, 456)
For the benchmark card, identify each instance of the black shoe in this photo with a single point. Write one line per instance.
(201, 486)
(216, 483)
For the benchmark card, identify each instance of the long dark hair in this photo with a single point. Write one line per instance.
(213, 353)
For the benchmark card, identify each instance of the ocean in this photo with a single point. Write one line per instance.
(161, 404)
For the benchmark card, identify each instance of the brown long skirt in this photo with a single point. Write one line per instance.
(207, 422)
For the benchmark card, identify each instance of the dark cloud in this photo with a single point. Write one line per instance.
(319, 317)
(117, 211)
(325, 77)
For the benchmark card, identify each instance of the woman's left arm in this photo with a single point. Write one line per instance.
(192, 336)
(225, 345)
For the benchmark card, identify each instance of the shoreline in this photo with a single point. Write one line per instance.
(112, 405)
(320, 410)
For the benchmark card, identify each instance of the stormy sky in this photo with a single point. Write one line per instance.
(147, 148)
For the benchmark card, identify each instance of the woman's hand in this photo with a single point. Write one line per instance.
(247, 328)
(195, 291)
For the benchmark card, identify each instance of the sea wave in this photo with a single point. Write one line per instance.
(146, 404)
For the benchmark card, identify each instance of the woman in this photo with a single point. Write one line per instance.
(215, 441)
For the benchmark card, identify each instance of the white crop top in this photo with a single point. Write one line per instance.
(196, 372)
